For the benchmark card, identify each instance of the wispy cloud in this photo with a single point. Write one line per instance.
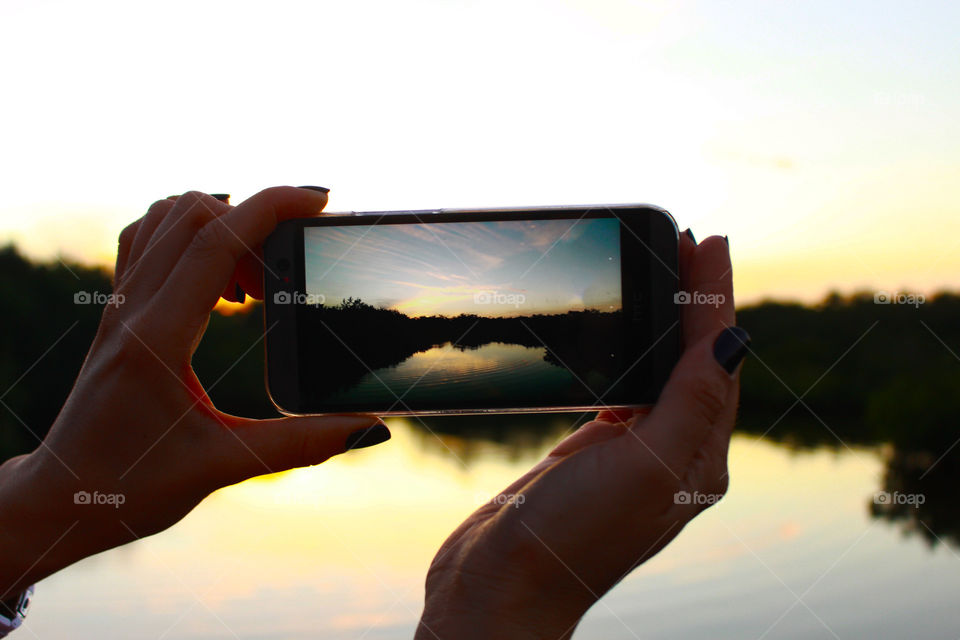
(440, 269)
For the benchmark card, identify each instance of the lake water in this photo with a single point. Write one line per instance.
(340, 552)
(507, 374)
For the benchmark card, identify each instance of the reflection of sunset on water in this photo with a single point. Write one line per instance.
(467, 360)
(343, 547)
(504, 372)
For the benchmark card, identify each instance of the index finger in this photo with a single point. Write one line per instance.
(706, 275)
(207, 265)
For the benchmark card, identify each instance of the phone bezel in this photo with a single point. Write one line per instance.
(652, 311)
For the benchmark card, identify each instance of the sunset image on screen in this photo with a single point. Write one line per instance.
(495, 313)
(494, 269)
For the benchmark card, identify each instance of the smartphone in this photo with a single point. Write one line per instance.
(471, 311)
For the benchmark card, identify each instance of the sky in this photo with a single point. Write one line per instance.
(821, 137)
(493, 269)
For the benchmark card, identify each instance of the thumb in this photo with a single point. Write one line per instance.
(256, 447)
(700, 394)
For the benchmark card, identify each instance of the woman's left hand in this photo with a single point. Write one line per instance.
(138, 443)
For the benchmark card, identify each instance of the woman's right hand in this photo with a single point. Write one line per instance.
(607, 498)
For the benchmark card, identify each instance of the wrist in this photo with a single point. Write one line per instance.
(37, 532)
(465, 609)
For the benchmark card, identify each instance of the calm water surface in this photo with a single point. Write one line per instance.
(495, 372)
(340, 551)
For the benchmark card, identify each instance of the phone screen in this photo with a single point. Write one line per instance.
(486, 314)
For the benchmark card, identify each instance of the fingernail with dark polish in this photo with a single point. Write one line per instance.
(222, 197)
(367, 437)
(241, 294)
(727, 240)
(320, 189)
(690, 235)
(730, 347)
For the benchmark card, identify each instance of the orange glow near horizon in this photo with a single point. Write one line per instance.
(827, 171)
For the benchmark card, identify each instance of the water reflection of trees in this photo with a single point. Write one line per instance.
(871, 374)
(353, 338)
(866, 374)
(911, 474)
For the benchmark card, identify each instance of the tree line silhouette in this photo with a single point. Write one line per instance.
(845, 372)
(345, 342)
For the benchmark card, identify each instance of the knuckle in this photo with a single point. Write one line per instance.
(717, 489)
(708, 392)
(721, 484)
(160, 207)
(213, 242)
(308, 450)
(128, 233)
(209, 239)
(191, 198)
(715, 478)
(713, 287)
(195, 218)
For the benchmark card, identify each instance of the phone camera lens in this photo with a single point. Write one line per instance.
(283, 264)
